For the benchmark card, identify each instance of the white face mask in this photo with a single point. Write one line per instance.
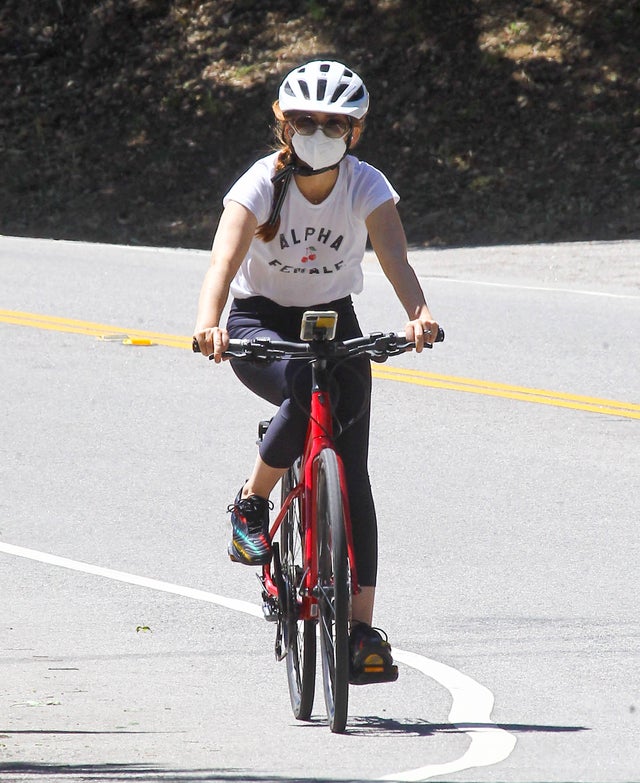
(318, 150)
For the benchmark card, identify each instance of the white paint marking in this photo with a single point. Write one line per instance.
(470, 712)
(547, 289)
(472, 702)
(517, 286)
(132, 579)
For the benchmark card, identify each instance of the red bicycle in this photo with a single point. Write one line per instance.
(309, 583)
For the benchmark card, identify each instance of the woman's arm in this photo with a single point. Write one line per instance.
(390, 245)
(230, 246)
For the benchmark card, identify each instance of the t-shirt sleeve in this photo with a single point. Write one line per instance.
(371, 189)
(253, 190)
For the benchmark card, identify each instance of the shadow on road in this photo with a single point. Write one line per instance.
(143, 772)
(371, 724)
(363, 725)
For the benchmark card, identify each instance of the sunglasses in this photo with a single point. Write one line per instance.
(333, 128)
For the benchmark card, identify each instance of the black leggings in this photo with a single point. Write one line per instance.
(287, 384)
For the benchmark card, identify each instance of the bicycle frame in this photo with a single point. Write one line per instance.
(319, 436)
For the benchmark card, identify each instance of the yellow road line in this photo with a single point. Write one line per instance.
(496, 389)
(56, 324)
(557, 399)
(400, 374)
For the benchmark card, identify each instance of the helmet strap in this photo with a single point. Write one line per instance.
(306, 171)
(284, 176)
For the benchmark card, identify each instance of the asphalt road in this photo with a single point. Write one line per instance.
(506, 467)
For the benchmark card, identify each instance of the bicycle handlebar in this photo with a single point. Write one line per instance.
(377, 346)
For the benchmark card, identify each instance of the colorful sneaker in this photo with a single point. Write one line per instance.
(371, 659)
(250, 522)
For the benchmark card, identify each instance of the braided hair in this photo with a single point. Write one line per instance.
(284, 170)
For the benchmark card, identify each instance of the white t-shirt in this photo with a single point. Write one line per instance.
(317, 254)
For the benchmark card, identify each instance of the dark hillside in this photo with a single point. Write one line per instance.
(125, 120)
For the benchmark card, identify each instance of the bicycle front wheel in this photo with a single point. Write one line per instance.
(334, 590)
(299, 635)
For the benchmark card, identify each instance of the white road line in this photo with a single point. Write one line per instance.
(431, 278)
(133, 579)
(547, 289)
(470, 712)
(472, 703)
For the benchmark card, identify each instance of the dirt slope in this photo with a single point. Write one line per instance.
(125, 120)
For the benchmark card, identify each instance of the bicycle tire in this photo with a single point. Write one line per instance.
(334, 591)
(300, 635)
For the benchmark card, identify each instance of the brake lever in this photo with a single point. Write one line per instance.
(387, 345)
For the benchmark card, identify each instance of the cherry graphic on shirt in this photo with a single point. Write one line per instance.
(310, 255)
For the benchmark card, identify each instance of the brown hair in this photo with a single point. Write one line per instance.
(267, 231)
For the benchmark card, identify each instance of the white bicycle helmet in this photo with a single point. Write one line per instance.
(324, 86)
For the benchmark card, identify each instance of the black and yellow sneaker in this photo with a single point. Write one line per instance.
(250, 542)
(371, 659)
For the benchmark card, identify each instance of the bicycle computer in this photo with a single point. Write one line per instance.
(318, 325)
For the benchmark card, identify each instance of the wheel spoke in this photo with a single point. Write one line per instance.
(300, 634)
(333, 590)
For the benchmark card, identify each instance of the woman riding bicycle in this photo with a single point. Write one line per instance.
(292, 237)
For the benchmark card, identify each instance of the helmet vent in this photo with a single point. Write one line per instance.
(304, 88)
(325, 67)
(357, 95)
(338, 92)
(322, 88)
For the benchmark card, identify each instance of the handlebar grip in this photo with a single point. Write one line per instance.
(236, 348)
(439, 338)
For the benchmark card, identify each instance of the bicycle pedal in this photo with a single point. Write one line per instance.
(381, 675)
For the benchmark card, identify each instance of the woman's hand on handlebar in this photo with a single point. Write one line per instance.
(422, 332)
(213, 342)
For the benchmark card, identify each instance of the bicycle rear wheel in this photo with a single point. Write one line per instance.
(299, 635)
(334, 591)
